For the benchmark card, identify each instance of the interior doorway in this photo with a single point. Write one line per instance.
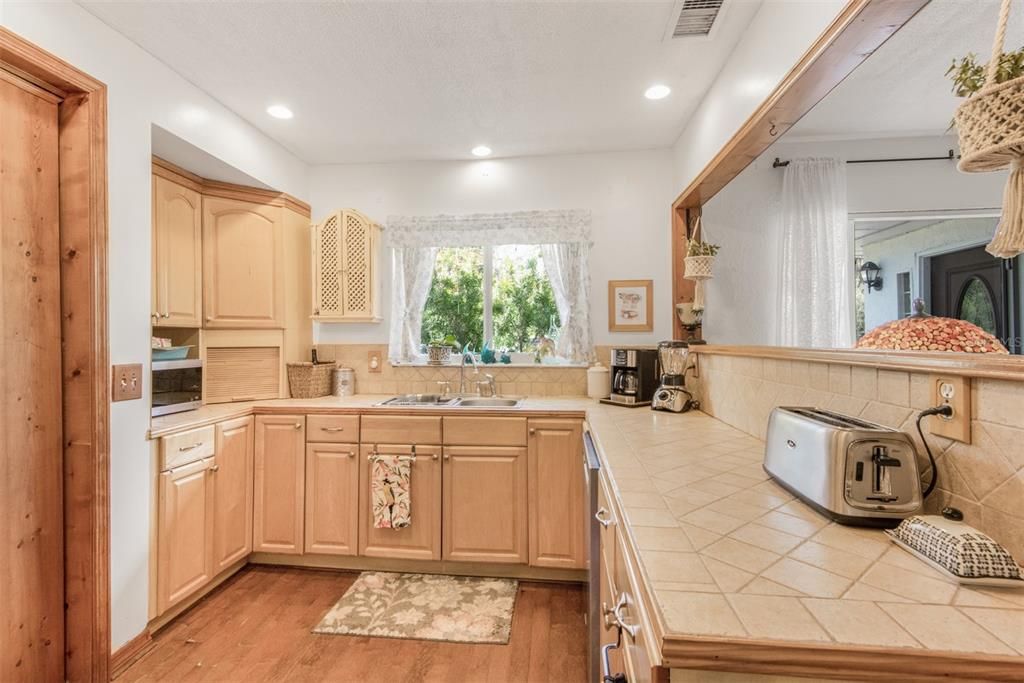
(54, 477)
(972, 285)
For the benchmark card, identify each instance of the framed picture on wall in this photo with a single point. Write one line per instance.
(630, 305)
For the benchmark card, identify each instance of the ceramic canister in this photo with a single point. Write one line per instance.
(598, 381)
(344, 382)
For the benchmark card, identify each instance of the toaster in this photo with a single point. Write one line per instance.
(850, 470)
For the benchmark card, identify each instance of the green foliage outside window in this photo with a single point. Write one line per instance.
(523, 303)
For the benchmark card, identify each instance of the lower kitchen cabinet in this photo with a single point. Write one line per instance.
(232, 489)
(279, 484)
(332, 498)
(557, 496)
(485, 504)
(185, 533)
(421, 540)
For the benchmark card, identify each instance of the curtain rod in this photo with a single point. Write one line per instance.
(949, 157)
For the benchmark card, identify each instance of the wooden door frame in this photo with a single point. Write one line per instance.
(860, 28)
(82, 137)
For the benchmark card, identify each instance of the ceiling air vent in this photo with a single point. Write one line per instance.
(696, 17)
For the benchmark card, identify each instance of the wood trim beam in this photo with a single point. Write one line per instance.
(216, 188)
(131, 652)
(980, 365)
(860, 29)
(82, 120)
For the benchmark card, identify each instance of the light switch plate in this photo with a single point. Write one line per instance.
(127, 382)
(956, 392)
(373, 361)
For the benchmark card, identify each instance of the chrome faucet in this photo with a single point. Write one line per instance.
(487, 387)
(462, 369)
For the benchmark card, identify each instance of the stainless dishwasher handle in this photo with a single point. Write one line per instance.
(603, 521)
(606, 662)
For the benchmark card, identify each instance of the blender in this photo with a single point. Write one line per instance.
(671, 394)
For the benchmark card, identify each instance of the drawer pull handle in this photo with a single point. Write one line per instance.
(332, 429)
(602, 519)
(620, 621)
(194, 446)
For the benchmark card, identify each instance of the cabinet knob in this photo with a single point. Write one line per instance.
(533, 430)
(446, 456)
(298, 425)
(215, 468)
(351, 454)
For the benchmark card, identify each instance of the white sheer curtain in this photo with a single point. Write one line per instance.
(815, 293)
(413, 268)
(568, 269)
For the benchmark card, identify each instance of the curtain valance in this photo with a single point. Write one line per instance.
(489, 229)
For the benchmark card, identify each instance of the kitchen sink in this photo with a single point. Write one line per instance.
(488, 403)
(419, 400)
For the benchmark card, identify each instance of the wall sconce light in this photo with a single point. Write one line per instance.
(871, 275)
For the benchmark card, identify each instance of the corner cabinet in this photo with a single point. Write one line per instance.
(177, 255)
(243, 264)
(346, 268)
(232, 489)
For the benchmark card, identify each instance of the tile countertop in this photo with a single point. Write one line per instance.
(728, 554)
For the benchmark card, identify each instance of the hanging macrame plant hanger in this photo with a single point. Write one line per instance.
(990, 124)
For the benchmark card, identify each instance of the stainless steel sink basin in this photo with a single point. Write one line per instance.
(419, 400)
(488, 403)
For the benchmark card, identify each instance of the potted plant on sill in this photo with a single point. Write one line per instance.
(439, 351)
(990, 125)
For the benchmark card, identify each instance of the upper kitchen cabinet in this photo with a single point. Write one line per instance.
(243, 264)
(346, 277)
(177, 255)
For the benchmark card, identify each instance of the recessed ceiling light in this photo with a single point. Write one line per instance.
(481, 151)
(279, 111)
(657, 92)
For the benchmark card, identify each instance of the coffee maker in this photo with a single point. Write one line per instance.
(633, 374)
(672, 394)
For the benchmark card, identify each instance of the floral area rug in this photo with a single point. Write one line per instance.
(457, 609)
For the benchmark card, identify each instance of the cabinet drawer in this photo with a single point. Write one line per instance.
(181, 449)
(398, 429)
(485, 431)
(332, 428)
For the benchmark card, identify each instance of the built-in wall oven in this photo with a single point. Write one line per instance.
(177, 386)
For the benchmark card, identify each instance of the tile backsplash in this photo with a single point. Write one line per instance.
(409, 379)
(984, 479)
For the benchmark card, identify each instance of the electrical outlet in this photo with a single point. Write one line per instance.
(956, 393)
(127, 382)
(373, 361)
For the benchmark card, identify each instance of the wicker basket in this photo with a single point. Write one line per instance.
(306, 380)
(990, 123)
(698, 267)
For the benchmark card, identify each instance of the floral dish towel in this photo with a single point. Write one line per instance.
(390, 486)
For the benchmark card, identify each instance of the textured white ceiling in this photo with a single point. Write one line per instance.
(385, 81)
(902, 89)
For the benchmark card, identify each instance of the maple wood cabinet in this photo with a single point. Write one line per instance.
(346, 268)
(232, 492)
(185, 546)
(556, 494)
(421, 540)
(485, 505)
(279, 484)
(332, 496)
(177, 295)
(243, 264)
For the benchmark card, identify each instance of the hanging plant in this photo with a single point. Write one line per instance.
(700, 259)
(990, 124)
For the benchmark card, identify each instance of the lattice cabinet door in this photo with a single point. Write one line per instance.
(346, 253)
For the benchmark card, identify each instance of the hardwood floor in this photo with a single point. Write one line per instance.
(256, 627)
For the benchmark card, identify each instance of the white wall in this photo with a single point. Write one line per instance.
(141, 92)
(628, 193)
(743, 219)
(778, 35)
